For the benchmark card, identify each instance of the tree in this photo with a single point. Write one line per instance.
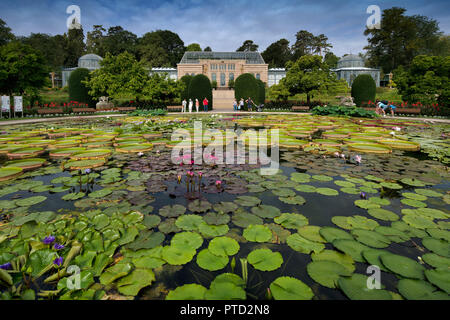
(208, 49)
(118, 40)
(52, 48)
(246, 86)
(119, 76)
(331, 60)
(247, 46)
(279, 92)
(200, 88)
(310, 75)
(306, 43)
(151, 51)
(22, 68)
(185, 81)
(277, 54)
(364, 89)
(5, 33)
(95, 41)
(170, 43)
(160, 88)
(425, 81)
(77, 87)
(400, 39)
(74, 47)
(194, 47)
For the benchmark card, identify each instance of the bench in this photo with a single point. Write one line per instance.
(174, 108)
(126, 109)
(86, 110)
(300, 108)
(50, 111)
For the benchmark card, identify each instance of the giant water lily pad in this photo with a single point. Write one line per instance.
(288, 288)
(403, 266)
(223, 246)
(209, 261)
(265, 259)
(190, 291)
(30, 201)
(355, 288)
(257, 233)
(300, 244)
(326, 273)
(413, 289)
(10, 173)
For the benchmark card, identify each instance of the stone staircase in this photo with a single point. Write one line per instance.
(223, 100)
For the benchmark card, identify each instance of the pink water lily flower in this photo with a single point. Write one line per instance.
(218, 182)
(358, 159)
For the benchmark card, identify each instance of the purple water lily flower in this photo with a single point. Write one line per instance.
(87, 171)
(48, 240)
(6, 266)
(58, 261)
(58, 246)
(363, 195)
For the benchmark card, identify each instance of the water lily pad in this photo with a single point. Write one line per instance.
(266, 211)
(414, 196)
(428, 193)
(366, 204)
(418, 221)
(414, 203)
(413, 289)
(300, 244)
(247, 201)
(257, 233)
(225, 207)
(393, 234)
(30, 201)
(189, 222)
(321, 177)
(439, 233)
(326, 273)
(300, 177)
(115, 272)
(265, 259)
(292, 220)
(297, 200)
(305, 188)
(391, 185)
(436, 261)
(172, 211)
(135, 281)
(433, 213)
(190, 240)
(100, 193)
(383, 214)
(342, 222)
(210, 231)
(345, 184)
(225, 290)
(355, 288)
(199, 206)
(176, 255)
(209, 261)
(351, 247)
(311, 233)
(330, 234)
(244, 219)
(413, 182)
(190, 291)
(350, 190)
(327, 191)
(288, 288)
(440, 247)
(362, 222)
(147, 239)
(371, 238)
(331, 255)
(440, 278)
(223, 246)
(403, 266)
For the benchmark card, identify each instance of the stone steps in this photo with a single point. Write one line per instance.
(223, 100)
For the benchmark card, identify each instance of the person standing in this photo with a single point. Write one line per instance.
(241, 104)
(205, 105)
(197, 104)
(235, 105)
(190, 105)
(184, 103)
(250, 103)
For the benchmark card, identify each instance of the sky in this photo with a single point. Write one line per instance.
(221, 24)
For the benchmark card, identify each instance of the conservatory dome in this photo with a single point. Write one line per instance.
(351, 61)
(90, 61)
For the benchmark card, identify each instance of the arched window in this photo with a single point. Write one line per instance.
(258, 76)
(231, 76)
(213, 77)
(222, 79)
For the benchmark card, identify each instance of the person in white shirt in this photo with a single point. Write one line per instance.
(190, 105)
(197, 104)
(184, 103)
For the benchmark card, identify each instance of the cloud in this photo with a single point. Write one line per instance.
(222, 25)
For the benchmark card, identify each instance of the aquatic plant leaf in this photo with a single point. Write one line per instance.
(355, 288)
(209, 261)
(100, 193)
(341, 221)
(247, 201)
(223, 246)
(215, 218)
(331, 233)
(86, 280)
(326, 273)
(199, 206)
(115, 272)
(189, 222)
(436, 261)
(383, 214)
(311, 233)
(413, 182)
(371, 238)
(30, 201)
(439, 233)
(321, 177)
(362, 222)
(147, 239)
(300, 244)
(172, 211)
(414, 203)
(266, 211)
(265, 259)
(403, 266)
(440, 278)
(418, 221)
(225, 291)
(190, 291)
(244, 219)
(428, 193)
(210, 231)
(292, 220)
(288, 288)
(391, 185)
(131, 284)
(366, 204)
(440, 247)
(257, 233)
(305, 188)
(225, 207)
(351, 247)
(191, 240)
(413, 289)
(331, 255)
(40, 260)
(175, 255)
(151, 221)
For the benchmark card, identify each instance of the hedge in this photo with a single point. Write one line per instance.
(363, 89)
(246, 86)
(77, 90)
(187, 80)
(261, 92)
(199, 88)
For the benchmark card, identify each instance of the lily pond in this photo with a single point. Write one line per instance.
(97, 209)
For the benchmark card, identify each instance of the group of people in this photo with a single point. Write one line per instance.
(240, 106)
(382, 106)
(197, 105)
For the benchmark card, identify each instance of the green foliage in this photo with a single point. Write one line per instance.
(199, 88)
(307, 44)
(261, 92)
(246, 86)
(21, 68)
(77, 88)
(309, 75)
(5, 33)
(277, 54)
(231, 83)
(426, 81)
(343, 111)
(74, 46)
(363, 89)
(248, 45)
(185, 80)
(193, 47)
(160, 88)
(279, 92)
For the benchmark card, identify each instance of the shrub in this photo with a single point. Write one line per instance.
(246, 86)
(363, 89)
(199, 88)
(343, 111)
(230, 83)
(187, 80)
(77, 89)
(214, 84)
(261, 92)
